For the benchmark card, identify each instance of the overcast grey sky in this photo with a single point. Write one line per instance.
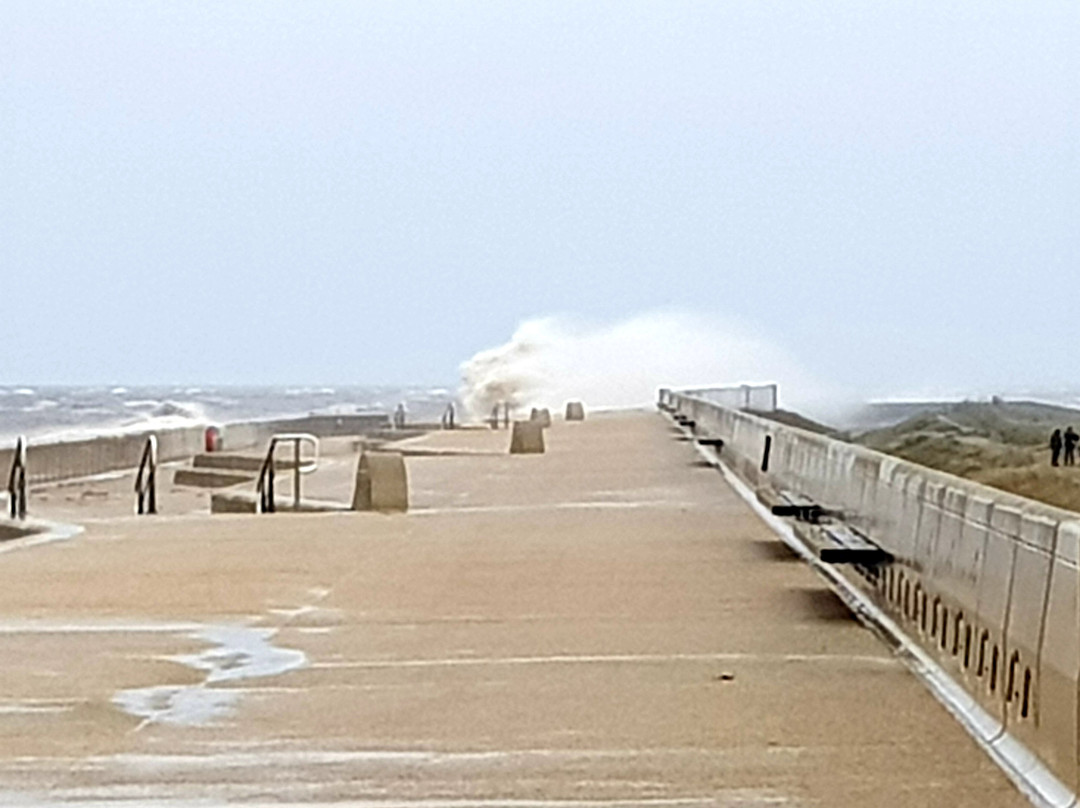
(373, 191)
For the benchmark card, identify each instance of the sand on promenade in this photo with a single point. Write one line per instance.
(604, 624)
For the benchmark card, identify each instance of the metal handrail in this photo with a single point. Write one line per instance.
(264, 488)
(146, 479)
(17, 481)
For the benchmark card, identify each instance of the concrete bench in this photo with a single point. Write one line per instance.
(849, 547)
(801, 508)
(715, 443)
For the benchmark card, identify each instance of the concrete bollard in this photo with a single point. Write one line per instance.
(381, 483)
(543, 417)
(527, 438)
(575, 411)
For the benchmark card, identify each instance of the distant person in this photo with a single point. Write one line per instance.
(1070, 438)
(1055, 447)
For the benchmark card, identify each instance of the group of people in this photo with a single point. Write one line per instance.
(1063, 441)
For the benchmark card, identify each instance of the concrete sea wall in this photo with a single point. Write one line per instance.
(986, 582)
(50, 461)
(61, 460)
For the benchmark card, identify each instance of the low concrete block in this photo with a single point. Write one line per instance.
(232, 503)
(527, 437)
(231, 462)
(381, 483)
(209, 478)
(242, 462)
(19, 528)
(244, 502)
(542, 417)
(575, 411)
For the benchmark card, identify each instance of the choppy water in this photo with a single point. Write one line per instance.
(67, 410)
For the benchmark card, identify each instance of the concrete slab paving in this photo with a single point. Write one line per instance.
(604, 624)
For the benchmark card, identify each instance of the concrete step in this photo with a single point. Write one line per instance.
(19, 528)
(242, 462)
(211, 478)
(244, 502)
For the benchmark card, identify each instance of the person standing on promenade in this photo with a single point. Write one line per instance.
(1071, 437)
(1055, 447)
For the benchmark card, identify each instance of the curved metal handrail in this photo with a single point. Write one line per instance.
(146, 479)
(17, 481)
(264, 488)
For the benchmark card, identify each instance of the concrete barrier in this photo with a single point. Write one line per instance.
(381, 483)
(527, 437)
(50, 460)
(575, 411)
(1055, 703)
(67, 459)
(541, 416)
(985, 581)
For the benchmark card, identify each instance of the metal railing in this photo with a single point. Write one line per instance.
(146, 479)
(753, 397)
(17, 481)
(264, 489)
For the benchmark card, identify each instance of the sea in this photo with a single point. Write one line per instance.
(67, 412)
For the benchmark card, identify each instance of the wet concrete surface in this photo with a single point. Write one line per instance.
(604, 624)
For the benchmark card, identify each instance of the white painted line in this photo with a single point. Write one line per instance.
(553, 506)
(594, 659)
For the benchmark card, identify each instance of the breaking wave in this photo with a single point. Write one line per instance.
(551, 360)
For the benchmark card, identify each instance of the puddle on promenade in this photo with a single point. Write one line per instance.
(236, 653)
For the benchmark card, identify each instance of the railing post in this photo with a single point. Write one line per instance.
(264, 488)
(296, 474)
(17, 481)
(271, 500)
(146, 478)
(152, 488)
(151, 481)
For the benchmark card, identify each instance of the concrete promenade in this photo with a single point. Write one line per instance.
(607, 624)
